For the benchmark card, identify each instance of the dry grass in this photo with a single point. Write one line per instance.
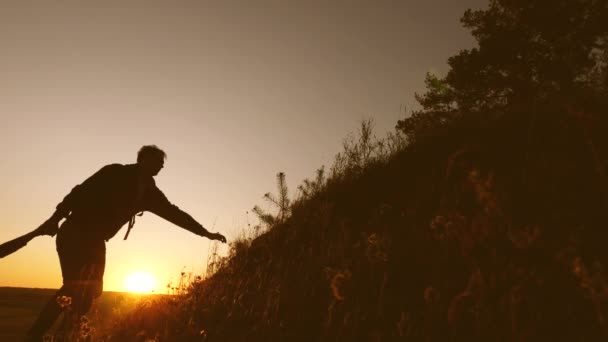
(472, 235)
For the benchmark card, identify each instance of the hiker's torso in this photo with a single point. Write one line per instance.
(105, 205)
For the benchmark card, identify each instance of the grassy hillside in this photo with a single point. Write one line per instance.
(490, 229)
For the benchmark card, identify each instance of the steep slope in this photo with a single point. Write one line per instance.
(491, 229)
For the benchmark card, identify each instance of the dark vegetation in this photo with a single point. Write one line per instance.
(483, 217)
(19, 307)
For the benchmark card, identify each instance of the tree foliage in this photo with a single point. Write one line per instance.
(282, 203)
(538, 51)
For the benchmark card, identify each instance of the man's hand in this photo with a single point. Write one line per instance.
(217, 236)
(211, 236)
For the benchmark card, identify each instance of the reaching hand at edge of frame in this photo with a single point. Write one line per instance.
(217, 236)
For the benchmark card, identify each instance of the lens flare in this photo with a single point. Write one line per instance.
(140, 282)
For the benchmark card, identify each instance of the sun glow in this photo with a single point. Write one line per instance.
(140, 282)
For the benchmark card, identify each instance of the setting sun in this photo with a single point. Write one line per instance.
(140, 282)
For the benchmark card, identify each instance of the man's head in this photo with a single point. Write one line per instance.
(151, 159)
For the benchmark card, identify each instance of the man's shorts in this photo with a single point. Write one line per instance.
(82, 259)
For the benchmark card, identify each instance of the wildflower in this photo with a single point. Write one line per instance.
(338, 283)
(64, 302)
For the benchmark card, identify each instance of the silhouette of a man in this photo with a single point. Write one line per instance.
(95, 211)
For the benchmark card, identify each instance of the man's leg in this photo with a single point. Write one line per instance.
(87, 288)
(81, 295)
(87, 284)
(46, 319)
(82, 266)
(70, 266)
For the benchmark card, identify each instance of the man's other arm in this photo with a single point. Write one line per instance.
(157, 203)
(14, 245)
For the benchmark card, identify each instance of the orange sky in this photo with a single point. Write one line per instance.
(233, 92)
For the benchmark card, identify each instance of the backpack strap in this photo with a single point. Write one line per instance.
(138, 199)
(131, 224)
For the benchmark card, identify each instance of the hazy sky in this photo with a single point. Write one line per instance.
(233, 91)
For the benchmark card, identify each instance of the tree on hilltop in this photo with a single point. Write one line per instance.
(528, 52)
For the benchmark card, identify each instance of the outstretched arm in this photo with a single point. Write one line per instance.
(49, 227)
(14, 245)
(158, 203)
